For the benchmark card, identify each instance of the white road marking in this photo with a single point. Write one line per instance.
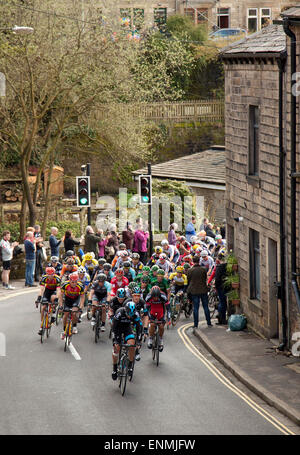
(16, 294)
(74, 352)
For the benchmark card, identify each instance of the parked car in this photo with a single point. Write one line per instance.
(224, 33)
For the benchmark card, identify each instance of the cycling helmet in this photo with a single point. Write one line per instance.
(146, 268)
(218, 237)
(126, 265)
(130, 308)
(202, 234)
(155, 292)
(161, 272)
(180, 269)
(136, 290)
(81, 269)
(182, 238)
(70, 253)
(221, 255)
(101, 261)
(50, 270)
(122, 246)
(204, 253)
(131, 285)
(186, 266)
(164, 242)
(119, 272)
(193, 239)
(124, 254)
(106, 266)
(101, 277)
(145, 279)
(162, 256)
(88, 257)
(74, 277)
(154, 268)
(54, 259)
(158, 249)
(187, 258)
(121, 293)
(195, 247)
(135, 256)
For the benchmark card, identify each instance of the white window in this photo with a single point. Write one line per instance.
(265, 17)
(252, 20)
(223, 17)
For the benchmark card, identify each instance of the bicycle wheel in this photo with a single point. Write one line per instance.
(212, 303)
(157, 350)
(89, 312)
(133, 363)
(58, 315)
(48, 324)
(43, 326)
(124, 374)
(66, 336)
(154, 347)
(97, 327)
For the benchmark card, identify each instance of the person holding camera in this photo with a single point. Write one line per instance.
(7, 250)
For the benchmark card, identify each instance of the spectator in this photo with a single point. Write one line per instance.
(128, 236)
(209, 231)
(113, 241)
(102, 244)
(140, 242)
(204, 224)
(190, 229)
(69, 241)
(53, 242)
(172, 239)
(30, 249)
(223, 229)
(220, 275)
(197, 288)
(38, 253)
(7, 250)
(91, 241)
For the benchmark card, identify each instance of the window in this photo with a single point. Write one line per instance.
(197, 15)
(254, 255)
(223, 17)
(160, 16)
(252, 20)
(253, 161)
(132, 18)
(265, 17)
(138, 18)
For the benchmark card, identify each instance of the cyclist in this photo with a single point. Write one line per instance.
(68, 268)
(155, 256)
(170, 250)
(123, 258)
(85, 279)
(219, 245)
(164, 264)
(122, 325)
(145, 272)
(162, 282)
(89, 262)
(206, 261)
(137, 265)
(122, 247)
(183, 246)
(129, 272)
(50, 283)
(98, 268)
(100, 293)
(208, 241)
(54, 262)
(157, 304)
(118, 281)
(116, 303)
(140, 305)
(153, 272)
(71, 254)
(178, 280)
(145, 286)
(108, 272)
(72, 292)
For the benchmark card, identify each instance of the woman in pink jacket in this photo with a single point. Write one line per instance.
(140, 243)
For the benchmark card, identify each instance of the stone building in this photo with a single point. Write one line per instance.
(262, 206)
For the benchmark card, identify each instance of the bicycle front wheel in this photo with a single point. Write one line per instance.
(43, 329)
(89, 312)
(48, 325)
(97, 327)
(157, 348)
(124, 374)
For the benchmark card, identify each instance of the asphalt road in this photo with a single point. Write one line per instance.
(44, 390)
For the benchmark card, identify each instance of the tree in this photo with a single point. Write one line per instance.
(70, 77)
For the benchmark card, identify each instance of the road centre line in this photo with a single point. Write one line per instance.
(193, 349)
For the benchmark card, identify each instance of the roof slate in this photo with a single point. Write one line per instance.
(207, 166)
(270, 39)
(292, 12)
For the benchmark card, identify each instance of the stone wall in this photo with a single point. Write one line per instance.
(256, 200)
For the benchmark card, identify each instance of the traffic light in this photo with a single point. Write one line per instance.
(145, 189)
(83, 191)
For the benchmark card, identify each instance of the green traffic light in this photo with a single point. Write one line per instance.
(83, 201)
(145, 198)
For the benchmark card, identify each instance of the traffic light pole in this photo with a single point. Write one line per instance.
(150, 216)
(88, 173)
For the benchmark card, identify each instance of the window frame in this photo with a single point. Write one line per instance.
(253, 140)
(219, 15)
(253, 17)
(254, 265)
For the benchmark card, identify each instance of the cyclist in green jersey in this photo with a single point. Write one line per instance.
(162, 283)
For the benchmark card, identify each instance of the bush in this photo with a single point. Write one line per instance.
(62, 226)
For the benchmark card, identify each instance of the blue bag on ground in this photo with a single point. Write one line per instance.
(237, 322)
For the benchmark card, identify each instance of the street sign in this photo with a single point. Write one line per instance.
(145, 189)
(83, 191)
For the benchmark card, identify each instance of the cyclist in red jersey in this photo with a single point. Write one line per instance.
(118, 281)
(49, 283)
(157, 304)
(73, 293)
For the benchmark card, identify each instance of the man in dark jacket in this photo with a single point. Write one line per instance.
(219, 283)
(91, 241)
(197, 288)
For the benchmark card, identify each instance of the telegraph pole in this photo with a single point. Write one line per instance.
(150, 216)
(88, 172)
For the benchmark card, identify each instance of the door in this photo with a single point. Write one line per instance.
(273, 278)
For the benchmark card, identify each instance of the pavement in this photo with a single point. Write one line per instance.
(19, 286)
(272, 375)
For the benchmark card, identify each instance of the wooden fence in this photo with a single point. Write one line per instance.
(180, 111)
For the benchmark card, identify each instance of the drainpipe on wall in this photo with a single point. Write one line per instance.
(282, 165)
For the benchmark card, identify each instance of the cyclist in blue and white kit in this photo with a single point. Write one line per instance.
(100, 295)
